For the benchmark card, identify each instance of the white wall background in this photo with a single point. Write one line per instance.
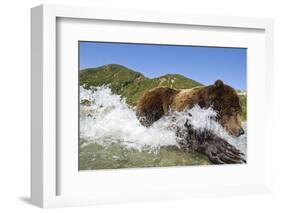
(15, 98)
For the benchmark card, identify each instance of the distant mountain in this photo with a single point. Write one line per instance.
(129, 83)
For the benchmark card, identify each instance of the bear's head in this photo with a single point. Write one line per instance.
(226, 103)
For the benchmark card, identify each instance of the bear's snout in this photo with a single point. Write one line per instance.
(241, 132)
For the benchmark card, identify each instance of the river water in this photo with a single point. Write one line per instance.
(111, 136)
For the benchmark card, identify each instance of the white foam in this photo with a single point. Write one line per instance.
(108, 119)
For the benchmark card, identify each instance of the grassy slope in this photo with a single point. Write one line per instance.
(243, 101)
(131, 84)
(128, 83)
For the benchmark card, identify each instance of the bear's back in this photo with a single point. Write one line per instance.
(154, 104)
(185, 98)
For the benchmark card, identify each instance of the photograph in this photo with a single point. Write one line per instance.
(161, 105)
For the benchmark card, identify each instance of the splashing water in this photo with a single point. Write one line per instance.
(106, 119)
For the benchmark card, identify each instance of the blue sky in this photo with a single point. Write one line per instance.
(203, 64)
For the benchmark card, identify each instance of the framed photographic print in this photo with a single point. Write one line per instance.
(130, 106)
(157, 117)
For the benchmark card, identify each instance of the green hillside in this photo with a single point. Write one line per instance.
(131, 84)
(243, 101)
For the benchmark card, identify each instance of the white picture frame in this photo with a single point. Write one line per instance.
(46, 167)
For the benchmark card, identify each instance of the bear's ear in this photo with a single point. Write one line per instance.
(218, 84)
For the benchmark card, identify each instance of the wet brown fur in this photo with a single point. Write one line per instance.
(159, 101)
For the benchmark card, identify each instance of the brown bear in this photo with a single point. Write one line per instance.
(159, 101)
